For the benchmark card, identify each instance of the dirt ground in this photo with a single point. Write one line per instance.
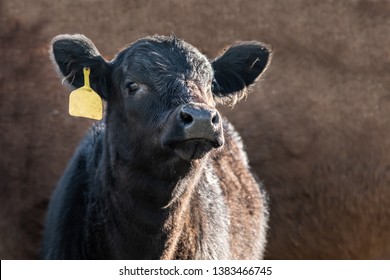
(317, 129)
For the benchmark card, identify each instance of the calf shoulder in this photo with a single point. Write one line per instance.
(64, 234)
(245, 198)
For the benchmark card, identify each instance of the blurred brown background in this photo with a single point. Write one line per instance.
(317, 129)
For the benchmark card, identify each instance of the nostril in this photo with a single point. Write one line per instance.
(215, 118)
(186, 118)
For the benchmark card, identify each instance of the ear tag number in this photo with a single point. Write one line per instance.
(84, 101)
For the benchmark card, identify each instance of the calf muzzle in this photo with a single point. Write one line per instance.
(192, 130)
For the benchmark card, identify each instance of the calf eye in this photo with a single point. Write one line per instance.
(214, 85)
(132, 88)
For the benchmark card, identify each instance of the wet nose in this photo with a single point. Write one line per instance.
(199, 121)
(198, 115)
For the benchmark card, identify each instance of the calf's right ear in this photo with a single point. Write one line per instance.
(71, 53)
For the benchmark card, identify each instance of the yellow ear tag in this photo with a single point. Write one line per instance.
(84, 101)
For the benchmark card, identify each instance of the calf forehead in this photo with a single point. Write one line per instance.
(166, 58)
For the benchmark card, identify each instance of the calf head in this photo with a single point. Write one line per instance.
(161, 92)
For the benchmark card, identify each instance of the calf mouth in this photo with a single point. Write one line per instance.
(192, 149)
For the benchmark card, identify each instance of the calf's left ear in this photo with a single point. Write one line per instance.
(238, 68)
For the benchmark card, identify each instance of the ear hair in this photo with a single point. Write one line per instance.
(71, 53)
(239, 68)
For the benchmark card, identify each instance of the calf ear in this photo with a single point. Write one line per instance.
(71, 53)
(238, 68)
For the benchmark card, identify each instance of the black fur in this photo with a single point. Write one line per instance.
(238, 68)
(70, 53)
(124, 195)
